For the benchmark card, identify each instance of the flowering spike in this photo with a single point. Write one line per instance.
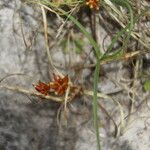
(42, 87)
(58, 86)
(93, 4)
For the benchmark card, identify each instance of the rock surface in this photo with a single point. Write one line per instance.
(27, 123)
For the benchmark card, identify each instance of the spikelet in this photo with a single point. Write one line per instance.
(93, 4)
(58, 86)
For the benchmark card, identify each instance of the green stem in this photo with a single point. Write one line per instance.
(95, 104)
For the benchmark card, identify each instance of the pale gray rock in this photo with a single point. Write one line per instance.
(29, 123)
(26, 124)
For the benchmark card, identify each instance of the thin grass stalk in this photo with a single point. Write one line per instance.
(95, 103)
